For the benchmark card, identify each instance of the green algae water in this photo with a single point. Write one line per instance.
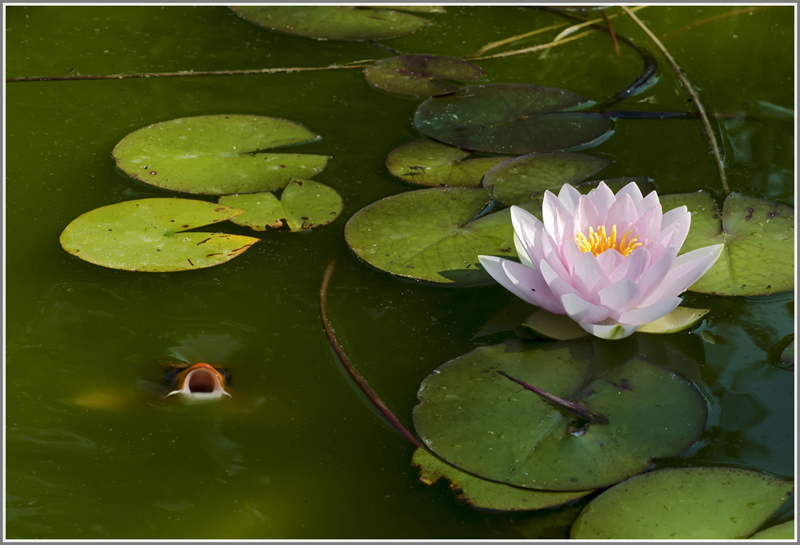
(93, 452)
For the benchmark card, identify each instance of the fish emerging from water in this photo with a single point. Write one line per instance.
(198, 383)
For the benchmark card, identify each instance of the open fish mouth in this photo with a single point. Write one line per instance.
(200, 382)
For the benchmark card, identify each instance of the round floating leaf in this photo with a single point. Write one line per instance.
(758, 257)
(510, 118)
(474, 414)
(420, 75)
(684, 503)
(351, 23)
(680, 319)
(432, 234)
(518, 179)
(542, 324)
(217, 154)
(148, 235)
(304, 204)
(484, 494)
(779, 531)
(428, 162)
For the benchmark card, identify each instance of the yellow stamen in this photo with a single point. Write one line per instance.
(599, 242)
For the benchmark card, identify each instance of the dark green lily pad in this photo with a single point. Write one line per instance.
(779, 531)
(148, 235)
(432, 234)
(543, 324)
(510, 118)
(421, 75)
(218, 154)
(304, 204)
(787, 357)
(350, 23)
(483, 494)
(431, 163)
(518, 179)
(479, 420)
(758, 257)
(684, 503)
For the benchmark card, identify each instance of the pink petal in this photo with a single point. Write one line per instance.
(581, 310)
(632, 266)
(671, 215)
(585, 216)
(609, 261)
(647, 203)
(554, 210)
(622, 213)
(620, 296)
(612, 331)
(588, 277)
(522, 252)
(651, 313)
(633, 191)
(657, 271)
(569, 196)
(674, 235)
(525, 283)
(647, 227)
(687, 270)
(570, 254)
(559, 285)
(602, 198)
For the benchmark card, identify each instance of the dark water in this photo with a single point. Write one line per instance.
(297, 452)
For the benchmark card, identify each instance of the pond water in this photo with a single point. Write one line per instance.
(297, 452)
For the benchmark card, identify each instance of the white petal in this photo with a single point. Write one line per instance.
(588, 276)
(582, 311)
(525, 283)
(620, 296)
(647, 203)
(522, 252)
(688, 268)
(554, 210)
(651, 313)
(613, 331)
(672, 215)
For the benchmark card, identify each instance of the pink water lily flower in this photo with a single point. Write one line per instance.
(610, 262)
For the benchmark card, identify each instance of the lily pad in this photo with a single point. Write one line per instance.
(510, 118)
(350, 23)
(787, 357)
(680, 319)
(218, 154)
(758, 257)
(779, 531)
(518, 179)
(684, 503)
(431, 163)
(148, 235)
(432, 234)
(483, 494)
(543, 324)
(304, 204)
(421, 75)
(476, 418)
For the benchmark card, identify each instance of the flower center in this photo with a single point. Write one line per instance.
(599, 242)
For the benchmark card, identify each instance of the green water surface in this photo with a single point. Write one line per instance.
(297, 452)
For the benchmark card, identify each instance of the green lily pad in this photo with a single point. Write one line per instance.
(476, 418)
(431, 163)
(148, 235)
(217, 154)
(787, 357)
(543, 324)
(432, 234)
(518, 179)
(510, 118)
(304, 204)
(483, 494)
(421, 75)
(779, 531)
(350, 23)
(684, 503)
(680, 319)
(758, 257)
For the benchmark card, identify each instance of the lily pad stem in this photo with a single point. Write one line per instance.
(348, 365)
(692, 93)
(569, 406)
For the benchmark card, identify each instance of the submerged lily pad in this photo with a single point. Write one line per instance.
(518, 179)
(431, 163)
(304, 204)
(351, 23)
(476, 418)
(218, 154)
(510, 118)
(484, 494)
(148, 235)
(432, 234)
(758, 257)
(684, 503)
(779, 531)
(787, 357)
(421, 75)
